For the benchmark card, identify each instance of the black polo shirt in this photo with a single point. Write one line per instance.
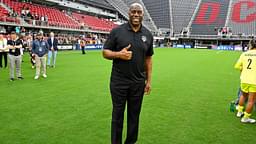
(15, 52)
(141, 47)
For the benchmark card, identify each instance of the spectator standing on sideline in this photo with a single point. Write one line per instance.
(52, 54)
(3, 49)
(14, 45)
(82, 45)
(40, 48)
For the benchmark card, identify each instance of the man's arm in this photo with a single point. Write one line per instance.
(9, 46)
(5, 45)
(33, 47)
(110, 55)
(148, 67)
(124, 54)
(18, 46)
(239, 63)
(55, 44)
(47, 47)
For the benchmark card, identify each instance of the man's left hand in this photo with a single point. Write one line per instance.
(147, 89)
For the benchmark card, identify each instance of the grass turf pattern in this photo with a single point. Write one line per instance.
(189, 103)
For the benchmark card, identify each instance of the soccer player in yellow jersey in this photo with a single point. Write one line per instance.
(247, 65)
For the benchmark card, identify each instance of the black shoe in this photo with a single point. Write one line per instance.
(20, 78)
(11, 79)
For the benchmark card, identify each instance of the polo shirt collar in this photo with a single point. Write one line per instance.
(128, 26)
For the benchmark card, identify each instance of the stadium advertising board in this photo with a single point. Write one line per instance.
(94, 46)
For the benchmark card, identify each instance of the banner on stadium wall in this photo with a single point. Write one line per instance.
(227, 47)
(238, 48)
(65, 47)
(94, 46)
(182, 46)
(201, 47)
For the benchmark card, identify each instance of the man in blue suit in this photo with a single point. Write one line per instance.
(52, 54)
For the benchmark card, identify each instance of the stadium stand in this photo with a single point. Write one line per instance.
(242, 19)
(210, 16)
(3, 12)
(94, 22)
(120, 6)
(160, 12)
(98, 3)
(4, 16)
(123, 8)
(55, 16)
(182, 12)
(200, 17)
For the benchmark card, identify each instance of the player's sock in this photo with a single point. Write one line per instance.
(247, 115)
(240, 108)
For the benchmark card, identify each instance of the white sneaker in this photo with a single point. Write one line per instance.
(36, 77)
(239, 114)
(236, 107)
(248, 120)
(44, 75)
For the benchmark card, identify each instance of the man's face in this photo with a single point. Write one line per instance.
(39, 37)
(13, 36)
(136, 15)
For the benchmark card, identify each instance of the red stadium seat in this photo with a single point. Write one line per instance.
(55, 17)
(94, 22)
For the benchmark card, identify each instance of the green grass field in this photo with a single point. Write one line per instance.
(189, 102)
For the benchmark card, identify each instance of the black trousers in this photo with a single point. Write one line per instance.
(83, 50)
(3, 54)
(132, 94)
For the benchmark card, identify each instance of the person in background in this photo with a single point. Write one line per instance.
(40, 49)
(247, 65)
(82, 45)
(52, 54)
(3, 49)
(29, 46)
(23, 12)
(14, 45)
(23, 43)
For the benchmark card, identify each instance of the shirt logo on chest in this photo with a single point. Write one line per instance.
(144, 38)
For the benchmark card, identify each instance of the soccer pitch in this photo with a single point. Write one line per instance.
(189, 102)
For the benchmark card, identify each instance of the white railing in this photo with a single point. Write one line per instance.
(229, 12)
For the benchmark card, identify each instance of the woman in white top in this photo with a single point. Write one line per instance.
(3, 49)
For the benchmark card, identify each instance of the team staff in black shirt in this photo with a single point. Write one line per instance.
(14, 45)
(130, 46)
(3, 49)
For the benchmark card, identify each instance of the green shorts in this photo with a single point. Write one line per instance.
(248, 87)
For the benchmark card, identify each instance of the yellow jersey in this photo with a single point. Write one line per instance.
(247, 65)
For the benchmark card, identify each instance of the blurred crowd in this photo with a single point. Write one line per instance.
(41, 46)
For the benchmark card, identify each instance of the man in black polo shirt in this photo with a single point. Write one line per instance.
(14, 45)
(130, 46)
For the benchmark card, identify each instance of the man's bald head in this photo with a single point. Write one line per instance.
(136, 13)
(136, 6)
